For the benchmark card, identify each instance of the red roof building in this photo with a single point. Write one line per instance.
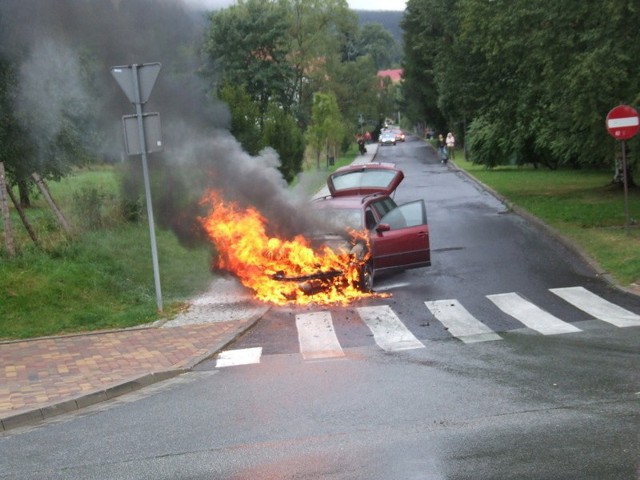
(395, 74)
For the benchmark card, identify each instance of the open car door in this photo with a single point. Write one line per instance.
(401, 239)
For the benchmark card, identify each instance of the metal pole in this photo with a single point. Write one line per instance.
(626, 188)
(147, 188)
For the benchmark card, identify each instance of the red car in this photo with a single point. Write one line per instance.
(361, 199)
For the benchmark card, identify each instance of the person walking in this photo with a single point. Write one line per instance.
(442, 149)
(451, 144)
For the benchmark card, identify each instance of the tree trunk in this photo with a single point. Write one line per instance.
(45, 192)
(4, 206)
(23, 190)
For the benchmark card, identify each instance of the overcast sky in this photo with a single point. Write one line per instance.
(354, 4)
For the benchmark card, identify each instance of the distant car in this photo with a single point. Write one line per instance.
(397, 237)
(399, 134)
(387, 138)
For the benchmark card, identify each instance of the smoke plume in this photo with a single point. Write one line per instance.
(64, 50)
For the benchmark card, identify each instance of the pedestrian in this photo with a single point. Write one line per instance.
(451, 144)
(442, 149)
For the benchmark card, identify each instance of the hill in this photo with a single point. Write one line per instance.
(388, 19)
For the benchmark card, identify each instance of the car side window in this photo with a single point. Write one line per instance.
(407, 215)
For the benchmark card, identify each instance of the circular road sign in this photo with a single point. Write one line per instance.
(623, 122)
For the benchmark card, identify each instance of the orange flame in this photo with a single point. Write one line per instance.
(245, 249)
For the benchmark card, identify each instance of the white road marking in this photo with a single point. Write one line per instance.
(598, 307)
(388, 331)
(317, 336)
(460, 322)
(245, 356)
(531, 315)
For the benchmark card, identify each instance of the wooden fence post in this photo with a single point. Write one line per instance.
(23, 217)
(45, 192)
(4, 206)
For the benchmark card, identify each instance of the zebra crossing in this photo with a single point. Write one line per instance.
(318, 340)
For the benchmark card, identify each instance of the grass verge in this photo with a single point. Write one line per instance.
(582, 205)
(100, 279)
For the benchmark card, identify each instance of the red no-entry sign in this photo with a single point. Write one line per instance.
(623, 122)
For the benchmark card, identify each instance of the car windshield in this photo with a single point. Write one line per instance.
(364, 178)
(337, 220)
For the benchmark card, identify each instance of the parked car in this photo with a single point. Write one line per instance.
(387, 138)
(395, 237)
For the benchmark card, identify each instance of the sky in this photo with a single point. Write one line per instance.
(398, 5)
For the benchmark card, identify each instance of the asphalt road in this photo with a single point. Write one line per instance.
(402, 388)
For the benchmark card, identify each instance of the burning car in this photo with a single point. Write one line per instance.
(360, 231)
(361, 220)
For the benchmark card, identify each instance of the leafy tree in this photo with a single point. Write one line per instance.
(320, 33)
(245, 117)
(16, 149)
(326, 131)
(377, 42)
(356, 89)
(281, 132)
(423, 33)
(534, 80)
(248, 41)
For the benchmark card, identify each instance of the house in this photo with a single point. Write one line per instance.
(395, 74)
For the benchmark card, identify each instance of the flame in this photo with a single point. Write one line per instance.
(246, 250)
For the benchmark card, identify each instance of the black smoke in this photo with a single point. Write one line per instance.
(65, 50)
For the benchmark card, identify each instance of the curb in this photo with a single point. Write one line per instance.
(37, 415)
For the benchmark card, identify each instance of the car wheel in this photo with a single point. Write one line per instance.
(365, 278)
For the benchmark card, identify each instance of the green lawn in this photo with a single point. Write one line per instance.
(581, 204)
(98, 279)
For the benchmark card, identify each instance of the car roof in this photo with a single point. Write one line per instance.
(364, 179)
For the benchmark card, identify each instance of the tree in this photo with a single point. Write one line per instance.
(245, 117)
(377, 42)
(249, 42)
(320, 31)
(326, 131)
(16, 149)
(533, 79)
(281, 132)
(355, 87)
(423, 32)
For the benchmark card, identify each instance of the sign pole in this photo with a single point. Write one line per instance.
(623, 123)
(624, 183)
(147, 187)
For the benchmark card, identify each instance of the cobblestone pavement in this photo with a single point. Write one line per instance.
(44, 377)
